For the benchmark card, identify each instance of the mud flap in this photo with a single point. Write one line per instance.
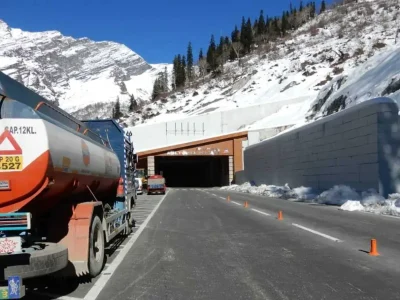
(77, 238)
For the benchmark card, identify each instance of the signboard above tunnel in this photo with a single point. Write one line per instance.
(215, 149)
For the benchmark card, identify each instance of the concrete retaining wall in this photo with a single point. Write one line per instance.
(150, 136)
(359, 147)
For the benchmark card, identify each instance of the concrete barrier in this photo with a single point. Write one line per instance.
(358, 147)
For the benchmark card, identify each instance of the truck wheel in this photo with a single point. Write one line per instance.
(96, 247)
(45, 258)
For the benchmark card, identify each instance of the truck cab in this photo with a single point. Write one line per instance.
(156, 185)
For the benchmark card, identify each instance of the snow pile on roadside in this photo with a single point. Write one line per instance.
(344, 196)
(300, 193)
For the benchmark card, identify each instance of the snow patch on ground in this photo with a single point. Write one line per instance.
(340, 195)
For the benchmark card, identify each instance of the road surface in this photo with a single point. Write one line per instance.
(77, 289)
(197, 245)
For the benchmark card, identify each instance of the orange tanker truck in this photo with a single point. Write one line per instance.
(66, 189)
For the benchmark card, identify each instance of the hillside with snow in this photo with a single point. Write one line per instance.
(346, 55)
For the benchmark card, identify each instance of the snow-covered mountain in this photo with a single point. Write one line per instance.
(78, 74)
(346, 55)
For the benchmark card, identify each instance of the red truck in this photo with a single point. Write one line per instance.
(156, 185)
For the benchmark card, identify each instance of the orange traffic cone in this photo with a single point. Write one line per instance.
(246, 204)
(228, 198)
(280, 216)
(374, 250)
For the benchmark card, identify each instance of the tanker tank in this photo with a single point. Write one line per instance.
(47, 156)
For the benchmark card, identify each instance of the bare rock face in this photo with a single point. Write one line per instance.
(74, 73)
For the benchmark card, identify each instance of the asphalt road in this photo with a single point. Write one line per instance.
(197, 245)
(82, 288)
(355, 228)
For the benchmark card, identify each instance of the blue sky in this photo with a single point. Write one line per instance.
(156, 30)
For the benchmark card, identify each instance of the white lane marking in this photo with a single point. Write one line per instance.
(53, 296)
(236, 203)
(318, 233)
(260, 212)
(222, 198)
(103, 279)
(214, 195)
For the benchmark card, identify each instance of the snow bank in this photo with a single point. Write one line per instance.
(300, 193)
(340, 195)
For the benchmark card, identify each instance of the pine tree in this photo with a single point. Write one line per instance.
(117, 110)
(220, 47)
(132, 103)
(179, 80)
(255, 27)
(284, 23)
(190, 62)
(267, 25)
(261, 23)
(235, 36)
(248, 39)
(158, 87)
(212, 55)
(201, 54)
(312, 14)
(227, 41)
(323, 7)
(183, 70)
(165, 80)
(243, 32)
(301, 6)
(175, 73)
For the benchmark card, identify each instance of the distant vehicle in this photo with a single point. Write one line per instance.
(142, 174)
(156, 185)
(139, 186)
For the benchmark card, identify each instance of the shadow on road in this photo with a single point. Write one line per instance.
(66, 283)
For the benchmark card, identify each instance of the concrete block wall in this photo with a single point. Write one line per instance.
(358, 147)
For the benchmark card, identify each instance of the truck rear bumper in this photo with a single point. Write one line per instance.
(156, 191)
(52, 258)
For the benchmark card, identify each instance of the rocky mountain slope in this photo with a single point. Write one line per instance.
(346, 55)
(78, 74)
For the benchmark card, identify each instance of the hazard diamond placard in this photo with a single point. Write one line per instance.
(10, 153)
(4, 150)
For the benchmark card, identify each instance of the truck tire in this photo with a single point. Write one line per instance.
(96, 247)
(52, 258)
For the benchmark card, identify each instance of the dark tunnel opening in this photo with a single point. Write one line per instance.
(193, 171)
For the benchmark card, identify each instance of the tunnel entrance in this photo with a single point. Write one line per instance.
(193, 171)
